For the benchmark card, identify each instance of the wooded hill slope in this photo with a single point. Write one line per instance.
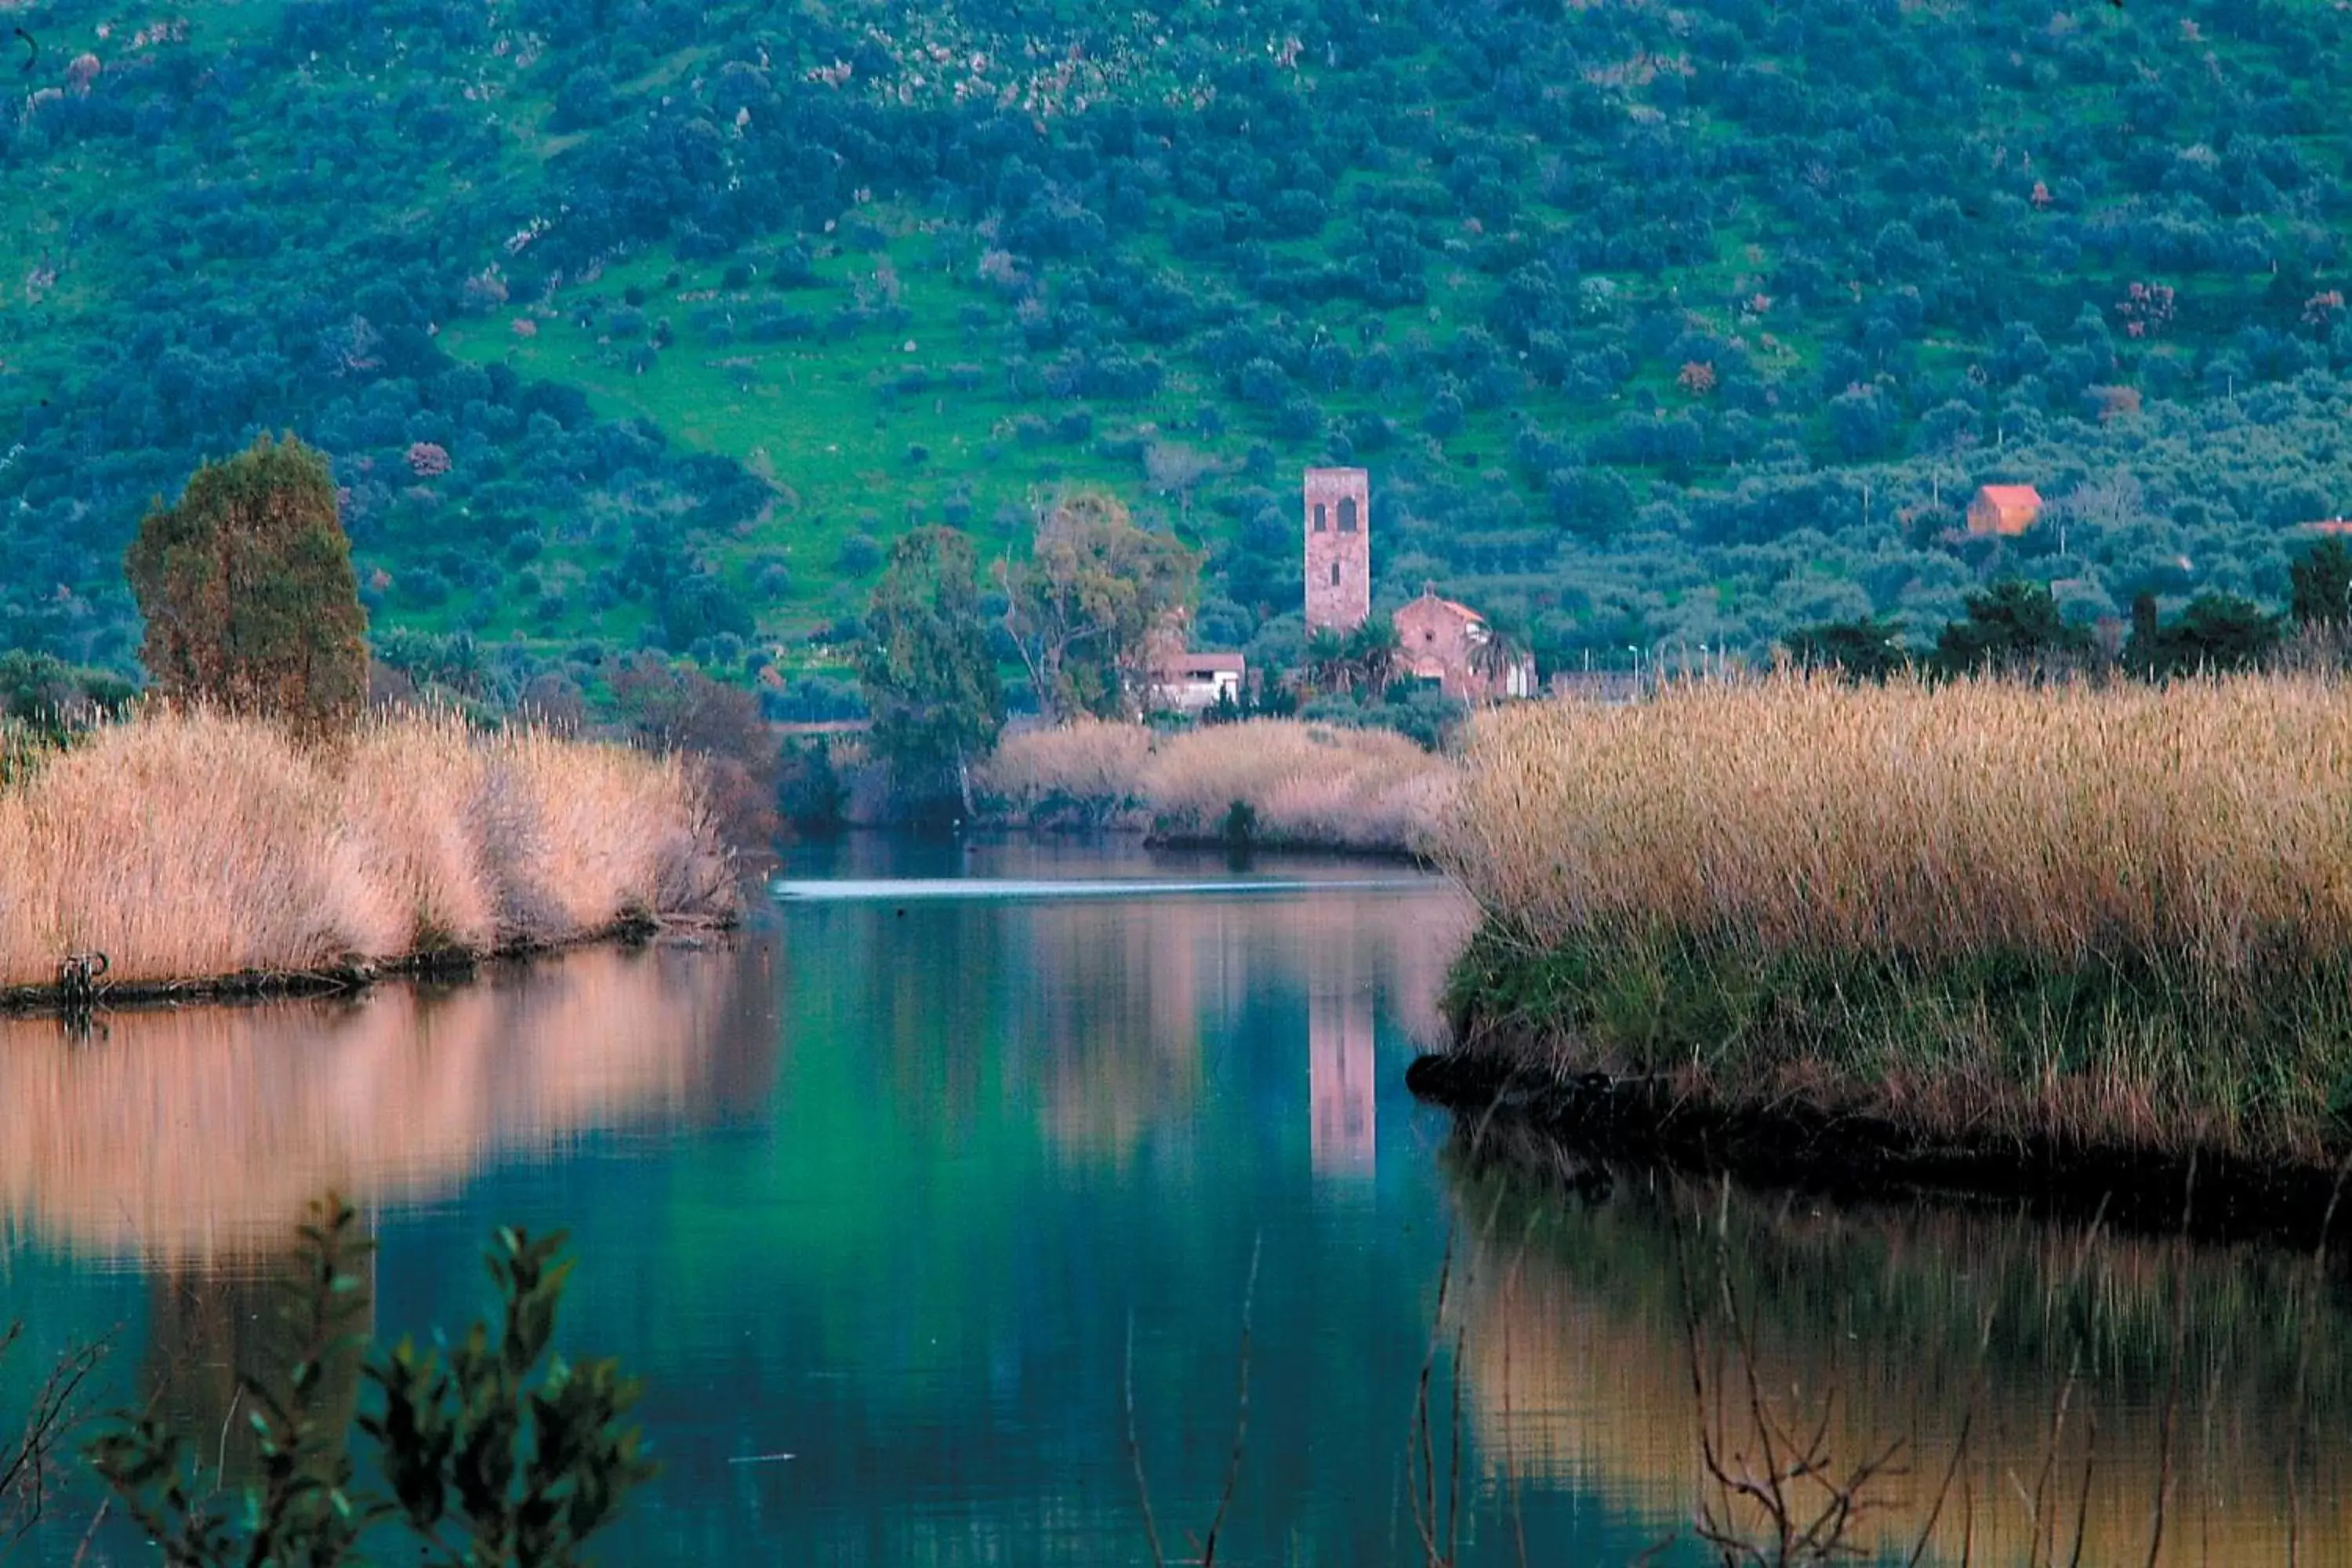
(646, 320)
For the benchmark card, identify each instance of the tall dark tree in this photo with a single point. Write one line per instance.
(1860, 649)
(2014, 626)
(2216, 632)
(929, 679)
(247, 590)
(2143, 651)
(2321, 584)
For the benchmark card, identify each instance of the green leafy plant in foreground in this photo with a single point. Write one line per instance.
(500, 1455)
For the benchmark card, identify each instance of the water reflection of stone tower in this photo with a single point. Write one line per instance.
(1338, 549)
(1342, 1082)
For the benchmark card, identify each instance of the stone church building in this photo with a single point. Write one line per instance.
(1438, 640)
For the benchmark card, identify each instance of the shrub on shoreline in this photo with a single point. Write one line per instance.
(2119, 914)
(196, 845)
(1305, 785)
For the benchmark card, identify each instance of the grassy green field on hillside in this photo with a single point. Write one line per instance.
(1656, 328)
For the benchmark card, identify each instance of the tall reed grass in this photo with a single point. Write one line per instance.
(1303, 785)
(196, 846)
(2118, 912)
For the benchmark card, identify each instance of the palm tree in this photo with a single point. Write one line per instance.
(1495, 656)
(1375, 654)
(1325, 664)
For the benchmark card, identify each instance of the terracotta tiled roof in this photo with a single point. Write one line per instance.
(2008, 496)
(1183, 663)
(1459, 611)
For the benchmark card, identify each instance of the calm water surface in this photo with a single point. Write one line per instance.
(916, 1180)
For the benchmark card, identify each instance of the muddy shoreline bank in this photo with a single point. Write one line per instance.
(1568, 1129)
(64, 999)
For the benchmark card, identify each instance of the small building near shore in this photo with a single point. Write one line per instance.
(1188, 682)
(2003, 510)
(1449, 643)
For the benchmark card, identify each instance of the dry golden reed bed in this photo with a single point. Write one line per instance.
(1306, 786)
(2209, 822)
(2122, 911)
(196, 846)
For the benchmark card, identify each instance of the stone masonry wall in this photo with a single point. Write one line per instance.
(1340, 550)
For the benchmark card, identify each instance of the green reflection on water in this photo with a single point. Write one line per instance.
(886, 1191)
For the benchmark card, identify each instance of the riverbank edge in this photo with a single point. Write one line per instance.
(1558, 1123)
(1149, 835)
(352, 978)
(1139, 825)
(1377, 855)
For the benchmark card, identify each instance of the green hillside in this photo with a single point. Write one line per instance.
(650, 323)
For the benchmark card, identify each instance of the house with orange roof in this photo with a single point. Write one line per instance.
(2003, 510)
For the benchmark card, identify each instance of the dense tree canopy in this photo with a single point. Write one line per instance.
(1864, 649)
(928, 674)
(2013, 628)
(1083, 607)
(653, 325)
(246, 584)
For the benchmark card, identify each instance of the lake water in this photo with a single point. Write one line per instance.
(963, 1165)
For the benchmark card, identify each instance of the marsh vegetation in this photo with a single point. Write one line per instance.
(2109, 914)
(1267, 782)
(191, 847)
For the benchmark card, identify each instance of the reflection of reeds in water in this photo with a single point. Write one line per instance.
(2067, 1382)
(193, 1133)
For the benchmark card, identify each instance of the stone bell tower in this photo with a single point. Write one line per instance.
(1338, 549)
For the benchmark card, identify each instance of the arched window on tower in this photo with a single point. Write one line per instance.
(1319, 520)
(1347, 514)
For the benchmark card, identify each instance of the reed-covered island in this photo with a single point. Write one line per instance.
(255, 822)
(1269, 783)
(1981, 916)
(197, 851)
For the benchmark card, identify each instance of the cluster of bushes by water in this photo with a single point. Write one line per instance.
(2107, 914)
(1271, 782)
